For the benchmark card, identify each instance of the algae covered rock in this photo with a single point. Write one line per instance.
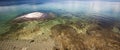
(66, 38)
(25, 30)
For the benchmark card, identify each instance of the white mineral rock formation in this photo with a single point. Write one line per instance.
(33, 15)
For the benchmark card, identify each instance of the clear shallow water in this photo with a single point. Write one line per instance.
(106, 9)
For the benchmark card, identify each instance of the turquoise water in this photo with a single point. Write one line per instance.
(8, 13)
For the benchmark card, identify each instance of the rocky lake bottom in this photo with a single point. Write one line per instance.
(62, 32)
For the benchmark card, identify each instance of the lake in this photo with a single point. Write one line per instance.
(102, 8)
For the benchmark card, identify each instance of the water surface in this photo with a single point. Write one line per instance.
(102, 8)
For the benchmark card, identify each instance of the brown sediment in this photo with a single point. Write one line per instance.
(97, 39)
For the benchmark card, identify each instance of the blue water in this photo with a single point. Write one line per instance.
(8, 13)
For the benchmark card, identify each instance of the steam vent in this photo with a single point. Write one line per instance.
(59, 25)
